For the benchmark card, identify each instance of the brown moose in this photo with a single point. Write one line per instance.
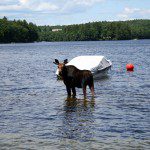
(73, 77)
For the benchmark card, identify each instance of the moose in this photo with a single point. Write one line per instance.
(73, 77)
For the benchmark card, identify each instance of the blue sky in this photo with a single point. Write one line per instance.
(64, 12)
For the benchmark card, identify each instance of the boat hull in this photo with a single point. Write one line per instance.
(101, 73)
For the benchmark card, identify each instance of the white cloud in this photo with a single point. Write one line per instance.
(86, 2)
(78, 6)
(23, 1)
(123, 16)
(46, 7)
(10, 7)
(132, 13)
(7, 2)
(28, 5)
(128, 10)
(45, 10)
(145, 12)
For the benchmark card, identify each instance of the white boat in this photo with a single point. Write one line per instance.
(98, 65)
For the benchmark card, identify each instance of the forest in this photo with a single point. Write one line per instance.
(21, 31)
(117, 30)
(17, 31)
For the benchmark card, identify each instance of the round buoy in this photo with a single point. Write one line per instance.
(130, 67)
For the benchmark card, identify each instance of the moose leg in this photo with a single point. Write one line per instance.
(84, 91)
(68, 91)
(74, 92)
(92, 89)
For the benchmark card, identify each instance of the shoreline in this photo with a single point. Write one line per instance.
(71, 41)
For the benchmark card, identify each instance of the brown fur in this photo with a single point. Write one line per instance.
(73, 77)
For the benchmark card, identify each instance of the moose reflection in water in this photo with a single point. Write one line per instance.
(77, 119)
(73, 77)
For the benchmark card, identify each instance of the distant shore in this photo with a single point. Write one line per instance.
(23, 32)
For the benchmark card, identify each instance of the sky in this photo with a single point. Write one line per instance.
(66, 12)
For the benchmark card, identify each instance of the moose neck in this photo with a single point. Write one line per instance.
(64, 73)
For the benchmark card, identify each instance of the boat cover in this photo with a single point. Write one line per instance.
(92, 63)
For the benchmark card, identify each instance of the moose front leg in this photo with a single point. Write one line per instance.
(68, 91)
(74, 92)
(84, 91)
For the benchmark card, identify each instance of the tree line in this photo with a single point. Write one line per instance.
(117, 30)
(21, 31)
(17, 31)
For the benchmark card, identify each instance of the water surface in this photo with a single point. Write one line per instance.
(36, 114)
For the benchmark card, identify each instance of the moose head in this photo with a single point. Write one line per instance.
(60, 65)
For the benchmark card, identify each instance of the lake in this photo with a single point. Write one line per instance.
(36, 114)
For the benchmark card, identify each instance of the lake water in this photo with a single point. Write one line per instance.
(35, 112)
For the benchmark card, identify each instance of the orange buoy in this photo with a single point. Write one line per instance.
(130, 67)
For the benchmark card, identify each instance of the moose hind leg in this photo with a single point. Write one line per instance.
(92, 89)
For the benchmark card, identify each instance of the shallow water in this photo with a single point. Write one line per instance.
(36, 114)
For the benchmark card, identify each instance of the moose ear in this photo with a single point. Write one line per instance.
(65, 61)
(56, 62)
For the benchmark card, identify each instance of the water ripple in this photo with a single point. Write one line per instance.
(36, 114)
